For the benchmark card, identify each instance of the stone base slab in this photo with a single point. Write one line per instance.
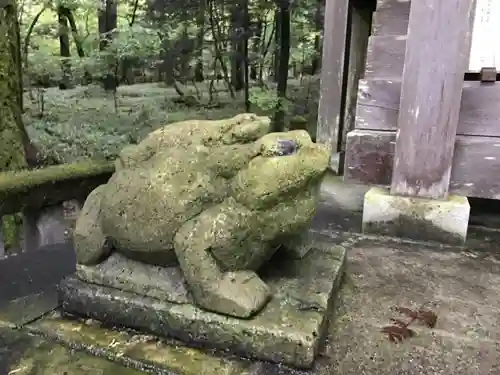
(443, 221)
(290, 330)
(145, 353)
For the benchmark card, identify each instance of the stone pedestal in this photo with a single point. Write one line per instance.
(290, 330)
(416, 218)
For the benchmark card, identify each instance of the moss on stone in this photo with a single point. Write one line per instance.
(18, 181)
(414, 218)
(12, 155)
(289, 330)
(11, 150)
(217, 195)
(29, 354)
(413, 227)
(48, 358)
(125, 347)
(11, 230)
(298, 118)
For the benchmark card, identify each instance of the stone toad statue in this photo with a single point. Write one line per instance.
(218, 198)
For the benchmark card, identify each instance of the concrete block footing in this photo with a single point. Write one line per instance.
(443, 221)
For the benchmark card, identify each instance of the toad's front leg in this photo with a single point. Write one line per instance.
(240, 293)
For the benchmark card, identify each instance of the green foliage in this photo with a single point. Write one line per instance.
(264, 98)
(142, 39)
(11, 226)
(82, 123)
(44, 68)
(268, 100)
(86, 122)
(136, 42)
(298, 120)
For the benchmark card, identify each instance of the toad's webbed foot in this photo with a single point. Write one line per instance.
(240, 293)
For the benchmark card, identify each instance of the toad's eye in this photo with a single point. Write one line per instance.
(286, 147)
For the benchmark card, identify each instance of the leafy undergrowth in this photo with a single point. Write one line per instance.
(84, 123)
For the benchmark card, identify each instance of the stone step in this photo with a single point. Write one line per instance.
(147, 353)
(22, 353)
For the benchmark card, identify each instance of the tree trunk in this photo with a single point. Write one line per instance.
(14, 140)
(216, 34)
(107, 19)
(237, 45)
(200, 37)
(277, 38)
(64, 50)
(27, 38)
(74, 31)
(256, 43)
(246, 68)
(283, 65)
(185, 50)
(87, 76)
(168, 61)
(318, 25)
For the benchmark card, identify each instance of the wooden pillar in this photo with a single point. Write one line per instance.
(437, 51)
(360, 31)
(332, 70)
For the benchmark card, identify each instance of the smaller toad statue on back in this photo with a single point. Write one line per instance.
(217, 198)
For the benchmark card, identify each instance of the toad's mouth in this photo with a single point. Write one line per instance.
(285, 147)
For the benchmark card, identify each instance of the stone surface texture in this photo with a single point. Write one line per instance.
(460, 284)
(346, 198)
(24, 354)
(289, 330)
(216, 197)
(443, 221)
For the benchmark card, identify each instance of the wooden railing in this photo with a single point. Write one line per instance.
(49, 200)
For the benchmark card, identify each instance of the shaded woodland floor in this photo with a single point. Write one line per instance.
(87, 122)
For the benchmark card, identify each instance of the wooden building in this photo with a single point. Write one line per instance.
(427, 121)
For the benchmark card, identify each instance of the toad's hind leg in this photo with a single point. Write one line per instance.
(91, 244)
(240, 294)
